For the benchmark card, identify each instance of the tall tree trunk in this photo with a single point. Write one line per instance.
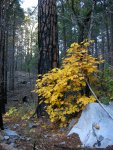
(12, 61)
(47, 39)
(84, 31)
(111, 48)
(4, 5)
(96, 48)
(5, 61)
(108, 40)
(103, 50)
(64, 30)
(47, 36)
(85, 25)
(2, 48)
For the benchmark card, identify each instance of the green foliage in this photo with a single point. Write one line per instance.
(105, 85)
(105, 100)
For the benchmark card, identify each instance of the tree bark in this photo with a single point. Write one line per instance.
(47, 36)
(111, 48)
(64, 30)
(12, 61)
(2, 49)
(47, 39)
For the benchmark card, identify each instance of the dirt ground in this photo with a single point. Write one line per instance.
(43, 135)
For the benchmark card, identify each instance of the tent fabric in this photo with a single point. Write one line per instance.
(95, 127)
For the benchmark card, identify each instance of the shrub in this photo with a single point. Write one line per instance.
(60, 88)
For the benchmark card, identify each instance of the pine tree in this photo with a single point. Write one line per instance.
(47, 36)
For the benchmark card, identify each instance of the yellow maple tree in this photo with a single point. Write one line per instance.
(61, 88)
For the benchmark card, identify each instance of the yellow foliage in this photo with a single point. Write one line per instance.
(60, 88)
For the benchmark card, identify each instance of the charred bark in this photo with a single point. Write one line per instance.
(47, 38)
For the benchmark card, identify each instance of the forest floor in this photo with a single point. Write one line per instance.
(39, 133)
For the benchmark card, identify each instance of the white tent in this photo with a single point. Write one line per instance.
(95, 127)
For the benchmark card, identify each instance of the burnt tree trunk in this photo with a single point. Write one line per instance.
(47, 36)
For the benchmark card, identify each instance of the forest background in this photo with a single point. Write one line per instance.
(35, 41)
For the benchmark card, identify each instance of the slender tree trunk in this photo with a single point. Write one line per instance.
(2, 48)
(96, 47)
(108, 41)
(64, 31)
(103, 50)
(5, 62)
(4, 5)
(84, 31)
(80, 33)
(111, 48)
(12, 60)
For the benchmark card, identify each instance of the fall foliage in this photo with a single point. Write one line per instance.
(61, 88)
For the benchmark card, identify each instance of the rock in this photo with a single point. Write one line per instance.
(5, 127)
(62, 129)
(15, 126)
(45, 136)
(28, 139)
(1, 137)
(6, 137)
(53, 135)
(22, 138)
(78, 146)
(16, 137)
(10, 133)
(23, 82)
(62, 143)
(7, 147)
(95, 126)
(13, 145)
(28, 83)
(8, 142)
(32, 125)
